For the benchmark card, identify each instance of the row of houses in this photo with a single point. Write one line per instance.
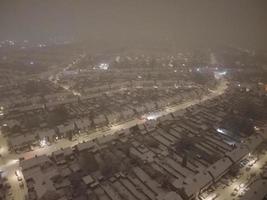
(114, 108)
(176, 157)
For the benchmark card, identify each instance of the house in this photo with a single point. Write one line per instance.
(64, 129)
(238, 153)
(150, 125)
(88, 180)
(85, 146)
(219, 168)
(194, 184)
(165, 118)
(49, 134)
(83, 124)
(11, 123)
(34, 162)
(162, 103)
(150, 106)
(113, 117)
(106, 139)
(170, 196)
(128, 114)
(140, 109)
(100, 120)
(41, 180)
(62, 153)
(21, 141)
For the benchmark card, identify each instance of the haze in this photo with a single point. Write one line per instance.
(127, 22)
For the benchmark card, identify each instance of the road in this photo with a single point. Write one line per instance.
(9, 163)
(239, 185)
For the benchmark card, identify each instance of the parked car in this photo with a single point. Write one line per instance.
(234, 193)
(21, 184)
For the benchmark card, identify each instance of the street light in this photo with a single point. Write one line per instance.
(43, 142)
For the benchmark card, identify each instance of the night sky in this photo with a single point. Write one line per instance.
(237, 22)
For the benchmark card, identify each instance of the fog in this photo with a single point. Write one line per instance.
(127, 22)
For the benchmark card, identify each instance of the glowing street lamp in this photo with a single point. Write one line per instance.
(103, 66)
(43, 142)
(219, 130)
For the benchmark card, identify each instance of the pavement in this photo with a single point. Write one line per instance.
(9, 162)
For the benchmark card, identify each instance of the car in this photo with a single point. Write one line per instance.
(21, 158)
(8, 185)
(21, 184)
(242, 164)
(252, 163)
(210, 190)
(17, 173)
(19, 178)
(234, 193)
(9, 193)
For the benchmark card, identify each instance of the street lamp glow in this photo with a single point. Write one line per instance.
(43, 142)
(219, 130)
(76, 93)
(152, 116)
(103, 66)
(256, 128)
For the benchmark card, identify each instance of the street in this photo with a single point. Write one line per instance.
(9, 163)
(238, 187)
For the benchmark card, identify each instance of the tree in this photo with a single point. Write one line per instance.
(58, 116)
(110, 164)
(15, 129)
(185, 143)
(237, 125)
(251, 109)
(202, 78)
(31, 122)
(88, 162)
